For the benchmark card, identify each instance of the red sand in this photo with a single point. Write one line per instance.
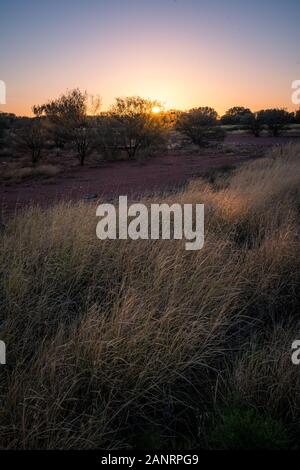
(123, 178)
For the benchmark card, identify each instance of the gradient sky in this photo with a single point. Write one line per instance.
(185, 53)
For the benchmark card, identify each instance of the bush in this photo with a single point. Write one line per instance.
(246, 429)
(297, 116)
(276, 120)
(253, 122)
(6, 123)
(134, 127)
(200, 125)
(108, 138)
(235, 115)
(31, 139)
(69, 121)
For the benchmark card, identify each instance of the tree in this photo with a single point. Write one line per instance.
(201, 126)
(68, 116)
(235, 115)
(253, 122)
(108, 140)
(297, 116)
(275, 119)
(31, 139)
(134, 125)
(6, 122)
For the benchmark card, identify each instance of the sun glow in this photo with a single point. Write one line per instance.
(156, 109)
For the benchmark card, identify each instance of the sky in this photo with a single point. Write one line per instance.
(185, 53)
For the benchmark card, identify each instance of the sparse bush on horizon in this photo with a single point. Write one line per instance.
(235, 115)
(276, 120)
(253, 122)
(201, 126)
(68, 116)
(31, 139)
(134, 125)
(130, 129)
(6, 122)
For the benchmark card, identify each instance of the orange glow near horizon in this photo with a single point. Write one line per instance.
(219, 97)
(187, 89)
(156, 109)
(195, 57)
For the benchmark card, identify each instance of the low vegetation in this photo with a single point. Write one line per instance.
(201, 126)
(132, 128)
(121, 343)
(274, 121)
(15, 175)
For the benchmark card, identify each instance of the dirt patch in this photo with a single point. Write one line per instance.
(109, 179)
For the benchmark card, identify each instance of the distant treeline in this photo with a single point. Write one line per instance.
(74, 121)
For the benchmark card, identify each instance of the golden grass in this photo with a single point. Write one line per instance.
(19, 174)
(108, 338)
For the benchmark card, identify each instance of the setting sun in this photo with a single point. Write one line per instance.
(156, 109)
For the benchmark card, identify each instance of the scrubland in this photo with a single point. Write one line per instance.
(121, 343)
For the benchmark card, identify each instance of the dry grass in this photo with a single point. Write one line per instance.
(107, 340)
(15, 175)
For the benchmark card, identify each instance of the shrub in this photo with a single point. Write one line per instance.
(246, 429)
(68, 116)
(297, 116)
(200, 125)
(235, 115)
(108, 138)
(276, 120)
(133, 126)
(6, 123)
(253, 122)
(31, 139)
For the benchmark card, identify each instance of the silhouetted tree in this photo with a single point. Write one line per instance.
(69, 117)
(108, 139)
(134, 125)
(6, 123)
(276, 120)
(297, 116)
(31, 139)
(253, 122)
(201, 126)
(235, 115)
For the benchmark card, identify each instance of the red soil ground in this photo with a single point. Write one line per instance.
(110, 179)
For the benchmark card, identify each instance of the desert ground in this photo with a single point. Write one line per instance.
(167, 171)
(121, 344)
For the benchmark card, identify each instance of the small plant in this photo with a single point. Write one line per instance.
(246, 429)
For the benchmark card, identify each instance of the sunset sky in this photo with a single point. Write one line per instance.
(183, 52)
